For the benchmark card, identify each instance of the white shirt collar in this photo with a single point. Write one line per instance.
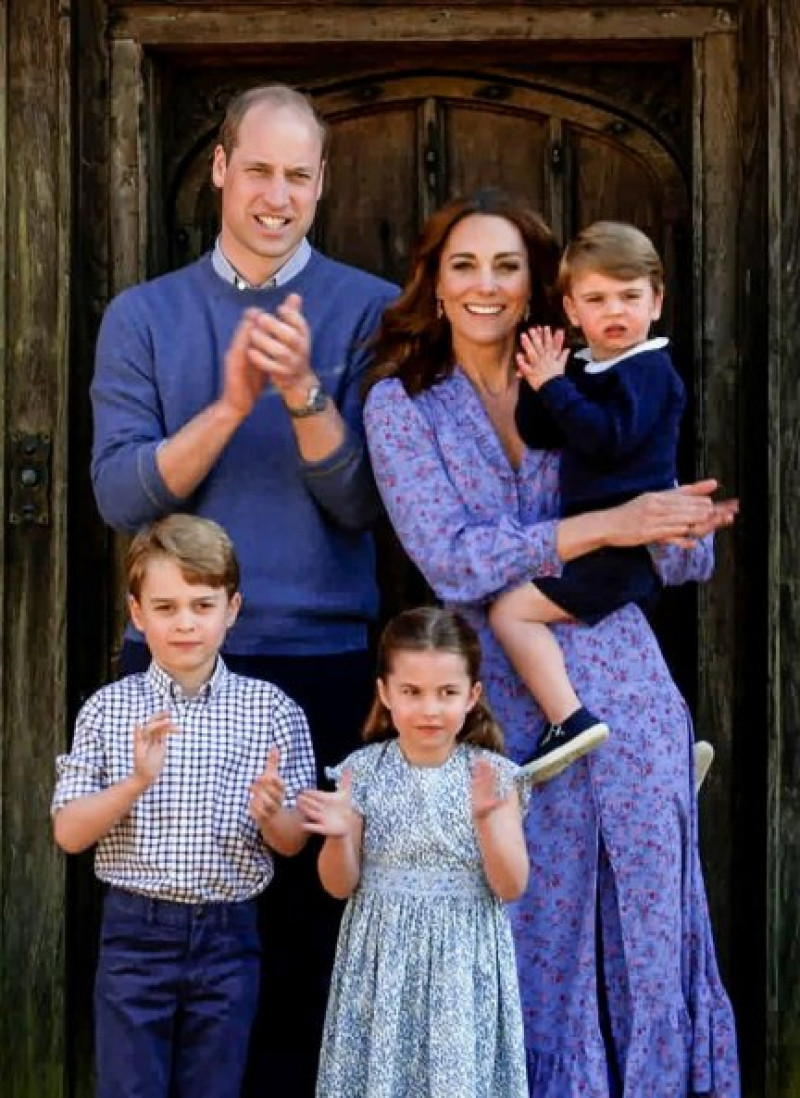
(593, 367)
(293, 266)
(163, 682)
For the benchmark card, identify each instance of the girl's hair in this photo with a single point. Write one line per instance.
(611, 248)
(413, 343)
(275, 95)
(431, 629)
(200, 548)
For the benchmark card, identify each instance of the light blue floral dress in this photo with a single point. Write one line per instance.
(424, 999)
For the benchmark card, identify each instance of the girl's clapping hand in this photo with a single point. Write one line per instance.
(485, 797)
(329, 814)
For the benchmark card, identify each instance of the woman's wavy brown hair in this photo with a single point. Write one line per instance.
(413, 343)
(432, 629)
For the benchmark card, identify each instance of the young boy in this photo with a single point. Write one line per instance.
(617, 417)
(185, 776)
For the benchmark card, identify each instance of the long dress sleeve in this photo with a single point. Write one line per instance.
(426, 471)
(676, 565)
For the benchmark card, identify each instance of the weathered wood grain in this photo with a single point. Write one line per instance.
(32, 1025)
(185, 26)
(783, 984)
(743, 167)
(716, 185)
(128, 210)
(90, 578)
(237, 4)
(748, 776)
(3, 372)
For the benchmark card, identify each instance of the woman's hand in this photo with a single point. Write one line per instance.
(329, 814)
(677, 516)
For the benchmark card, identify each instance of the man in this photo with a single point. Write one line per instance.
(231, 389)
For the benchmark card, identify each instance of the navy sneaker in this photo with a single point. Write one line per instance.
(561, 744)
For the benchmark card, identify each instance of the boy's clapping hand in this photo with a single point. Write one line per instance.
(150, 748)
(267, 791)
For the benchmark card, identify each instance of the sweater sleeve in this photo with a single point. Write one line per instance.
(128, 426)
(464, 556)
(342, 484)
(637, 394)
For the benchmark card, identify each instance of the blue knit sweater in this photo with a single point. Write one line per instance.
(300, 528)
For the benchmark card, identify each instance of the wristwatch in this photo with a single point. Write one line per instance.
(316, 402)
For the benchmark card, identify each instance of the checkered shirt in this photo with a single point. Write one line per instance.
(190, 836)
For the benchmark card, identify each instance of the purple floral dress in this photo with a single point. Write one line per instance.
(616, 884)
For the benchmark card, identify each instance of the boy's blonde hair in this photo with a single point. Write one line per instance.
(612, 248)
(201, 549)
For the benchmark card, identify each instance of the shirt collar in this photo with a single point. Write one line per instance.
(593, 367)
(164, 684)
(293, 266)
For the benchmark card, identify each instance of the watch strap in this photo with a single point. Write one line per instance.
(316, 402)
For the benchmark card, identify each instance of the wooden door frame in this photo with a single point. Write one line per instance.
(35, 265)
(777, 24)
(717, 184)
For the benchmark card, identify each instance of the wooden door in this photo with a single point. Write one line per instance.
(622, 115)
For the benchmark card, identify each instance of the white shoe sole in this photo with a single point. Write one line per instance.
(703, 758)
(541, 770)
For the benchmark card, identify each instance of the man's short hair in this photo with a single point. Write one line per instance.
(200, 548)
(275, 95)
(611, 248)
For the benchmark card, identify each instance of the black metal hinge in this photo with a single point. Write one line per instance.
(29, 479)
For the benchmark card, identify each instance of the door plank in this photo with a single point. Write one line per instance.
(716, 187)
(34, 720)
(488, 147)
(192, 25)
(783, 847)
(369, 214)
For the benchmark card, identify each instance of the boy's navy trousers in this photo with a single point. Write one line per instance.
(175, 996)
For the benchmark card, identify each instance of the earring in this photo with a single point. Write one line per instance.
(527, 314)
(439, 308)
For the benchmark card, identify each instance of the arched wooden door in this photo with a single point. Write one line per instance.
(402, 144)
(585, 129)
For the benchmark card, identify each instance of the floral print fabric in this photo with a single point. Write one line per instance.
(424, 1000)
(616, 884)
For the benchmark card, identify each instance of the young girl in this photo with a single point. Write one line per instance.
(424, 835)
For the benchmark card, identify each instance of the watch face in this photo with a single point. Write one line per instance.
(317, 399)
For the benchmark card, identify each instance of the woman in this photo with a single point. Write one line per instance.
(620, 987)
